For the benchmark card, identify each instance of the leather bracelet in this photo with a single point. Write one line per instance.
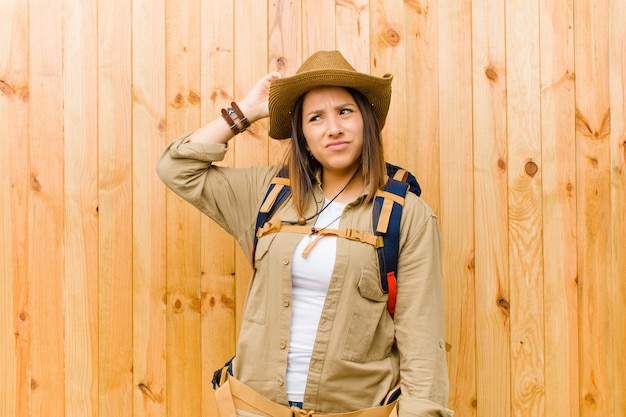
(231, 123)
(242, 119)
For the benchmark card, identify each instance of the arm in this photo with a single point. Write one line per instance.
(419, 319)
(229, 196)
(254, 106)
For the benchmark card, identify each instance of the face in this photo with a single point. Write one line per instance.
(333, 127)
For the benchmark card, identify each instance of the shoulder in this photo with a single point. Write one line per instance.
(418, 222)
(415, 209)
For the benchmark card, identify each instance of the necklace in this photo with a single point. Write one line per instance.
(304, 220)
(311, 239)
(315, 230)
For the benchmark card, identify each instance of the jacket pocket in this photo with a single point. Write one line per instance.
(370, 330)
(256, 299)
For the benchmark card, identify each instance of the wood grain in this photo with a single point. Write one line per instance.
(352, 23)
(617, 268)
(217, 260)
(119, 299)
(8, 380)
(251, 147)
(388, 56)
(149, 297)
(115, 255)
(456, 211)
(525, 209)
(285, 53)
(80, 63)
(593, 174)
(46, 378)
(318, 26)
(559, 207)
(422, 92)
(183, 325)
(14, 193)
(493, 368)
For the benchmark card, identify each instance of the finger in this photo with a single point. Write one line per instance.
(273, 75)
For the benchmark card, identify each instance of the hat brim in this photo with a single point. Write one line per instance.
(284, 92)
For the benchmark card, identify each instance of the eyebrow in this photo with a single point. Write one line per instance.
(339, 106)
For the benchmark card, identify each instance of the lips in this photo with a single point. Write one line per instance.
(338, 146)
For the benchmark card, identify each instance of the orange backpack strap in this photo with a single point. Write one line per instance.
(277, 187)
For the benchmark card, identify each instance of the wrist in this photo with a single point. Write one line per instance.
(235, 118)
(250, 111)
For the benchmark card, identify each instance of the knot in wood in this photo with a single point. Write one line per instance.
(6, 88)
(177, 305)
(392, 36)
(219, 94)
(178, 101)
(227, 302)
(149, 394)
(35, 184)
(193, 98)
(531, 168)
(417, 6)
(491, 74)
(590, 399)
(281, 63)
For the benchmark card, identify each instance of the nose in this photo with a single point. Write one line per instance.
(335, 127)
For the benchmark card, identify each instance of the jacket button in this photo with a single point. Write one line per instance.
(285, 303)
(280, 382)
(283, 345)
(285, 261)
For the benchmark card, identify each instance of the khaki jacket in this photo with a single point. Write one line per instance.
(360, 352)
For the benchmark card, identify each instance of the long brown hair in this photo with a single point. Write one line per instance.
(302, 167)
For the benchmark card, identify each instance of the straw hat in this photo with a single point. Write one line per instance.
(324, 68)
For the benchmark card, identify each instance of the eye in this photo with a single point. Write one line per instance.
(314, 118)
(345, 111)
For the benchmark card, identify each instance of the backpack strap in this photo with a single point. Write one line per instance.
(403, 175)
(276, 194)
(386, 216)
(221, 375)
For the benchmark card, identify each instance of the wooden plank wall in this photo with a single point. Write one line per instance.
(119, 299)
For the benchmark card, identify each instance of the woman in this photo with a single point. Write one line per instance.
(316, 333)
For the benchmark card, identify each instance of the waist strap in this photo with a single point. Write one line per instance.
(234, 395)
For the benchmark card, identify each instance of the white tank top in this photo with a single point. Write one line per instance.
(310, 277)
